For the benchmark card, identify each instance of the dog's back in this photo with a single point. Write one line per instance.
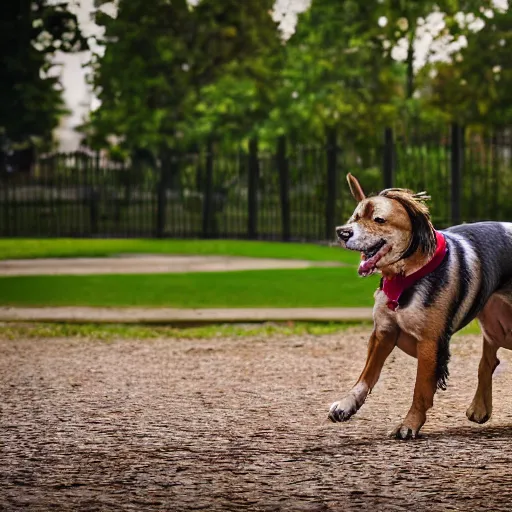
(482, 258)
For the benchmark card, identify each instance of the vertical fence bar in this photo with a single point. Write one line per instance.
(252, 192)
(80, 187)
(161, 196)
(120, 199)
(53, 163)
(388, 162)
(94, 212)
(208, 191)
(5, 188)
(284, 187)
(15, 207)
(174, 186)
(241, 172)
(332, 168)
(456, 172)
(160, 208)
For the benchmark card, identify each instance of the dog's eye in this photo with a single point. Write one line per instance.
(379, 220)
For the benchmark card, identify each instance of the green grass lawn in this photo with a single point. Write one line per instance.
(313, 287)
(14, 248)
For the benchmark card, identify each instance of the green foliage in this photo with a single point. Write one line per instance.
(161, 58)
(171, 76)
(31, 31)
(336, 73)
(176, 76)
(475, 88)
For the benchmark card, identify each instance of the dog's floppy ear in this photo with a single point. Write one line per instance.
(355, 188)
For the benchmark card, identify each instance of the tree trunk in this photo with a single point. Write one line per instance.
(410, 64)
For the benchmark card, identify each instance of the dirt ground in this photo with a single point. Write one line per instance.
(240, 425)
(148, 264)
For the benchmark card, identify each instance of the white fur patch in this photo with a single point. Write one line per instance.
(383, 317)
(411, 319)
(471, 259)
(507, 226)
(360, 392)
(383, 209)
(355, 240)
(358, 211)
(349, 405)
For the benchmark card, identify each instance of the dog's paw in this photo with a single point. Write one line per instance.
(478, 413)
(403, 431)
(343, 410)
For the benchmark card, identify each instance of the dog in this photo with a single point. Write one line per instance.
(433, 284)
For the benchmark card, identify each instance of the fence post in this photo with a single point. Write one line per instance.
(94, 210)
(5, 186)
(330, 206)
(388, 163)
(161, 194)
(208, 191)
(456, 172)
(252, 192)
(284, 187)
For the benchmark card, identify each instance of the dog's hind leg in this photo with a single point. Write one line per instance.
(496, 323)
(381, 344)
(480, 409)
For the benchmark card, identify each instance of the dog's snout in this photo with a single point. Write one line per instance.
(344, 233)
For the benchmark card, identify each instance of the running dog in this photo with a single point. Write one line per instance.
(433, 284)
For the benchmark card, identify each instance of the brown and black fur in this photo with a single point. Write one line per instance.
(474, 280)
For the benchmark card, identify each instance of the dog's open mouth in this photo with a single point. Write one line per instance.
(370, 257)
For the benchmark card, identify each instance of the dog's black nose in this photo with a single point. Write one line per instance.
(344, 233)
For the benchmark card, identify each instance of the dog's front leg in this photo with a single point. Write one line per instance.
(424, 391)
(380, 346)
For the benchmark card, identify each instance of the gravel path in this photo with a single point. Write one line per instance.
(239, 425)
(148, 264)
(181, 316)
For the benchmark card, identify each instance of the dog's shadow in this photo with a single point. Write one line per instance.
(471, 432)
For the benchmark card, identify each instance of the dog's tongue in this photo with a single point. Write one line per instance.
(367, 265)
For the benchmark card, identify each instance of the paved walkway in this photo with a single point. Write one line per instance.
(149, 264)
(182, 316)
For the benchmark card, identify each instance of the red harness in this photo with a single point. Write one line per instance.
(393, 288)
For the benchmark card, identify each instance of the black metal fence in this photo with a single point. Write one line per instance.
(294, 192)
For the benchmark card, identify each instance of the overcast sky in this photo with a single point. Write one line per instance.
(79, 99)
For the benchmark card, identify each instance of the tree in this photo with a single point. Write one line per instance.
(336, 72)
(31, 31)
(475, 87)
(161, 61)
(173, 76)
(459, 22)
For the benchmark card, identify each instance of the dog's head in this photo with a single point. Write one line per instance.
(388, 229)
